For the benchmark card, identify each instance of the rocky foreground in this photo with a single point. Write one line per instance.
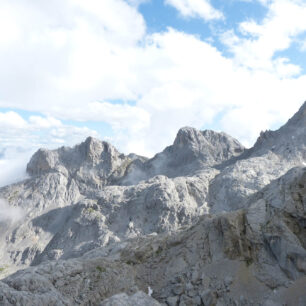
(205, 222)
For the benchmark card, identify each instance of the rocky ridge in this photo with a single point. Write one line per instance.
(204, 220)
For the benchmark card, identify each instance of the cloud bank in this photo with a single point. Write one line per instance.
(20, 138)
(13, 166)
(70, 60)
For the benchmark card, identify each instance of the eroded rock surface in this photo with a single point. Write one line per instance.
(253, 256)
(204, 222)
(137, 299)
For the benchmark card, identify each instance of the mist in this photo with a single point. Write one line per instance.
(9, 213)
(13, 164)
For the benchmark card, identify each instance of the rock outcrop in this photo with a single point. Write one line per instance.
(253, 256)
(137, 299)
(274, 153)
(206, 221)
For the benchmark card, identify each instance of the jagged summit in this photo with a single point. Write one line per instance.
(220, 144)
(274, 153)
(97, 162)
(288, 141)
(93, 153)
(299, 119)
(130, 213)
(193, 150)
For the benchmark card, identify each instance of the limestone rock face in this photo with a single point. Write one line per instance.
(204, 222)
(274, 153)
(93, 161)
(137, 299)
(254, 256)
(193, 150)
(210, 147)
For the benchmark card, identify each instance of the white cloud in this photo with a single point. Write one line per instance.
(9, 30)
(20, 138)
(196, 8)
(303, 45)
(194, 89)
(235, 118)
(65, 50)
(44, 123)
(67, 59)
(37, 132)
(282, 25)
(119, 116)
(13, 166)
(11, 120)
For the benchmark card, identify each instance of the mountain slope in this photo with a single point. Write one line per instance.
(274, 153)
(76, 197)
(255, 256)
(93, 201)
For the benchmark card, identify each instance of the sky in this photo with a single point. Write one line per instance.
(132, 72)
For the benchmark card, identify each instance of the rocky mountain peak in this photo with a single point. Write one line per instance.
(90, 153)
(93, 146)
(208, 146)
(191, 151)
(289, 141)
(299, 119)
(187, 135)
(42, 161)
(96, 151)
(204, 220)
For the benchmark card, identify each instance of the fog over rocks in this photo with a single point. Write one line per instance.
(205, 221)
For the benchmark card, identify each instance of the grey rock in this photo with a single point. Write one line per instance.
(193, 150)
(274, 153)
(208, 298)
(236, 252)
(204, 219)
(172, 301)
(178, 289)
(137, 299)
(186, 301)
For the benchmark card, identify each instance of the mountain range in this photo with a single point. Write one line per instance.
(204, 222)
